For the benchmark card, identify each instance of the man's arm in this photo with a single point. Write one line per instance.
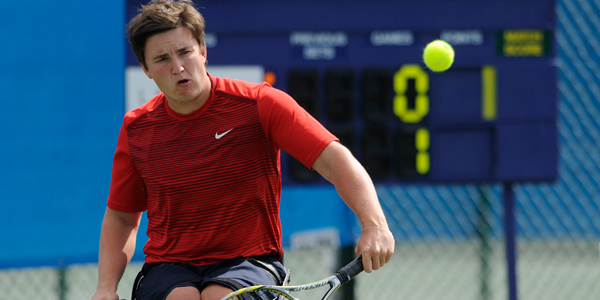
(355, 187)
(117, 245)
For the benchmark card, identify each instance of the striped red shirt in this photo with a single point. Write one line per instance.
(211, 180)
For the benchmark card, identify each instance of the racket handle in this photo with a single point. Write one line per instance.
(350, 270)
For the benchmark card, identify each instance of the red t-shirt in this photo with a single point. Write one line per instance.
(211, 180)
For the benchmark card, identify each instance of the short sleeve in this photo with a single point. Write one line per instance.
(127, 189)
(291, 127)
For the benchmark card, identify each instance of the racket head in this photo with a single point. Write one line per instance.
(267, 288)
(335, 281)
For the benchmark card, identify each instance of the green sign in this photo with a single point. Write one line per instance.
(523, 43)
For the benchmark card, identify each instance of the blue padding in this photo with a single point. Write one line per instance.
(62, 102)
(314, 207)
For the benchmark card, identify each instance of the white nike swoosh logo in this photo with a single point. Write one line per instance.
(218, 136)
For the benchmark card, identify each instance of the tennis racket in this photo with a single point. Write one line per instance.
(334, 281)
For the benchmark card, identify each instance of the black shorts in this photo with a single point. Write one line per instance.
(160, 279)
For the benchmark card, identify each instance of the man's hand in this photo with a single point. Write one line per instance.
(105, 295)
(376, 245)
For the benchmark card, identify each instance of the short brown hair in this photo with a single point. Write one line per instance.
(160, 16)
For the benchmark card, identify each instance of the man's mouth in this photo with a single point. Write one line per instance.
(183, 81)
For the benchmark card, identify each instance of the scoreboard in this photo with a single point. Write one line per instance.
(356, 66)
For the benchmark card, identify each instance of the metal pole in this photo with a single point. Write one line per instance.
(62, 280)
(510, 233)
(483, 230)
(346, 291)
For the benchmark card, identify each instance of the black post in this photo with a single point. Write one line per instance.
(62, 280)
(346, 254)
(510, 233)
(483, 230)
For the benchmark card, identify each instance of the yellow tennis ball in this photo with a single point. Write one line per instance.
(438, 56)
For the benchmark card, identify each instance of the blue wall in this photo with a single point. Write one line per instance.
(62, 83)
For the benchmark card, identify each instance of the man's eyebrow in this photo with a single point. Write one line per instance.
(184, 48)
(164, 55)
(160, 56)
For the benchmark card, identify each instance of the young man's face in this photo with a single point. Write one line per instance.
(175, 61)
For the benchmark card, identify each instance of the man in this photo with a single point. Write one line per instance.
(202, 158)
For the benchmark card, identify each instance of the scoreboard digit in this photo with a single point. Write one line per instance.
(411, 84)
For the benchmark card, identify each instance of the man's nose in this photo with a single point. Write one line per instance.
(177, 66)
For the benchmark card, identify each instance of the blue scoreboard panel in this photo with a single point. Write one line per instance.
(357, 67)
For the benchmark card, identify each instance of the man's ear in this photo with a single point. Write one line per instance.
(204, 54)
(146, 71)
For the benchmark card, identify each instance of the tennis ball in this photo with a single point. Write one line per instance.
(438, 56)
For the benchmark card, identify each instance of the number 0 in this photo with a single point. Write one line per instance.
(401, 107)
